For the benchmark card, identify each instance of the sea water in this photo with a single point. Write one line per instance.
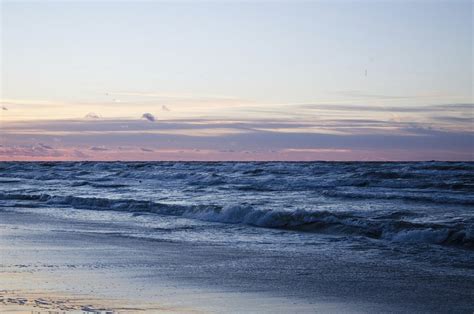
(424, 211)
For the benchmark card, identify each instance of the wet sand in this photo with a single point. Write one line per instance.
(50, 260)
(31, 302)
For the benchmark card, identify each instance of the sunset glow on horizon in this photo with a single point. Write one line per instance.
(236, 81)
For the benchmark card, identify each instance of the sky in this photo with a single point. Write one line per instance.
(227, 80)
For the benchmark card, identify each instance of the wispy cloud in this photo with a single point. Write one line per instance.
(98, 148)
(315, 150)
(316, 131)
(92, 115)
(28, 150)
(79, 154)
(149, 117)
(205, 139)
(44, 146)
(384, 108)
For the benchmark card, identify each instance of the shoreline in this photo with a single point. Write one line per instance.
(55, 302)
(59, 257)
(118, 273)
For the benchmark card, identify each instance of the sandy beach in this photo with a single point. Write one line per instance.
(61, 270)
(50, 302)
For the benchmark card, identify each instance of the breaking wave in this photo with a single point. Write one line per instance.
(392, 226)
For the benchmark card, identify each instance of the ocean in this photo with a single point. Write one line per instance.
(410, 215)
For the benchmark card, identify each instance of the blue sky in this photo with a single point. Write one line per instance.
(356, 71)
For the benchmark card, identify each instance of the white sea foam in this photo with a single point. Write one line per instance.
(396, 202)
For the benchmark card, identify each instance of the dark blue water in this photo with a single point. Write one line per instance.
(423, 210)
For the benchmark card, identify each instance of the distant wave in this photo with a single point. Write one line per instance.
(98, 185)
(431, 197)
(390, 226)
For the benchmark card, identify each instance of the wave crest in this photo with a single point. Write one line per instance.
(391, 227)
